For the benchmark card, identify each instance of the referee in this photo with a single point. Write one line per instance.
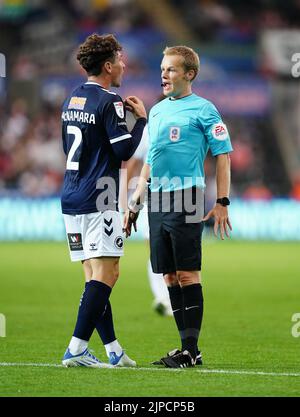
(182, 128)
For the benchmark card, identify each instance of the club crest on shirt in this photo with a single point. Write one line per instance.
(219, 131)
(119, 109)
(174, 133)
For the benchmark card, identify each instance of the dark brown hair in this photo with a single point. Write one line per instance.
(96, 50)
(190, 57)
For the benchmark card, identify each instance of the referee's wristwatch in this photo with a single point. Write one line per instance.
(224, 201)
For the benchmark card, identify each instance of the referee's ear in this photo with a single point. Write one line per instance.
(189, 75)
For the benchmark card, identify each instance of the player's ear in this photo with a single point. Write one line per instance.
(108, 66)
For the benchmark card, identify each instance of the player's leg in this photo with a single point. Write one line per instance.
(77, 353)
(104, 323)
(160, 292)
(92, 306)
(105, 242)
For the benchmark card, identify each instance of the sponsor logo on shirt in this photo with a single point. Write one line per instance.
(174, 133)
(77, 103)
(119, 109)
(219, 131)
(75, 241)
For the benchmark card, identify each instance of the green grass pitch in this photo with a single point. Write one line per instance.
(251, 292)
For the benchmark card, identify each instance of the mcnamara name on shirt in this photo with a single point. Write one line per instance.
(78, 116)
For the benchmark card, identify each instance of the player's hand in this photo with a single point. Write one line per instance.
(222, 221)
(130, 219)
(135, 106)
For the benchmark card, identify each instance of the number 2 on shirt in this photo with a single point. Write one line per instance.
(74, 130)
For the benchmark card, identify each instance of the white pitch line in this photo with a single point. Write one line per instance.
(202, 371)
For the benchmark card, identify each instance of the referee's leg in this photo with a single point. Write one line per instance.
(192, 306)
(187, 304)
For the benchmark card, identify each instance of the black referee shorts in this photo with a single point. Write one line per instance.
(175, 244)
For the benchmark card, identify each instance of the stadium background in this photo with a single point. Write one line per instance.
(247, 70)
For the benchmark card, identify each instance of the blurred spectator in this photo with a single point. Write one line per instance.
(24, 68)
(257, 191)
(15, 125)
(295, 191)
(31, 157)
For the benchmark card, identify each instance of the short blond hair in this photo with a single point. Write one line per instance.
(191, 60)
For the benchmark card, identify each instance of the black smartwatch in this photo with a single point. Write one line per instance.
(224, 201)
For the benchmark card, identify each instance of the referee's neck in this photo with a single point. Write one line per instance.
(181, 96)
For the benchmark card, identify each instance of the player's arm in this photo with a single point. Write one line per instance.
(136, 202)
(123, 143)
(124, 149)
(219, 211)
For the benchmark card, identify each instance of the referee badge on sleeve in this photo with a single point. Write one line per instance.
(219, 131)
(119, 109)
(174, 133)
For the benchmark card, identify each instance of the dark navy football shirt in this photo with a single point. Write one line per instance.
(95, 141)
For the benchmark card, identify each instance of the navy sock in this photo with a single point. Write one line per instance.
(92, 306)
(105, 324)
(176, 299)
(192, 316)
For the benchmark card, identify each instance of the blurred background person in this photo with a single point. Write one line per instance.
(161, 302)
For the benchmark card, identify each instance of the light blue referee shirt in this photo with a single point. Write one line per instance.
(181, 132)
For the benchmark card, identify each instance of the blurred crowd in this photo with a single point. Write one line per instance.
(32, 161)
(31, 157)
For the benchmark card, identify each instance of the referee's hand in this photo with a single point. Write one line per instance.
(222, 221)
(130, 219)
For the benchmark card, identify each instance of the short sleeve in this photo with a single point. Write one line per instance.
(148, 157)
(113, 115)
(215, 131)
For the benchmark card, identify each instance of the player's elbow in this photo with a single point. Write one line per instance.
(127, 156)
(122, 152)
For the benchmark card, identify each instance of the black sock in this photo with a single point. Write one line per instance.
(177, 306)
(105, 324)
(192, 317)
(93, 302)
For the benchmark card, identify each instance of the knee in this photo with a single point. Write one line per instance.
(188, 278)
(116, 275)
(171, 279)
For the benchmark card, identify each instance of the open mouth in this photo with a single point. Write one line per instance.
(166, 84)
